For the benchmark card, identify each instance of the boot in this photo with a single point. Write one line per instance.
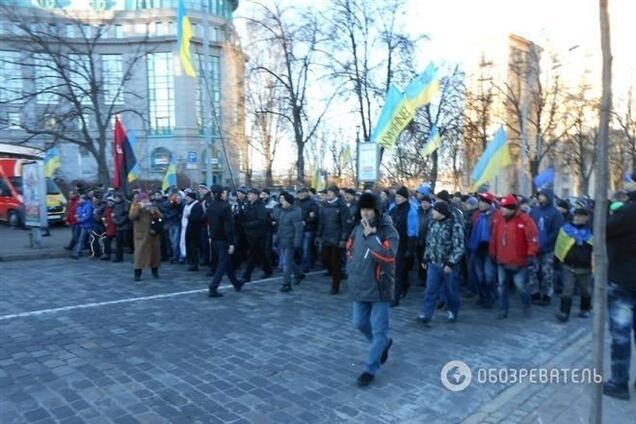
(137, 274)
(155, 272)
(586, 307)
(564, 313)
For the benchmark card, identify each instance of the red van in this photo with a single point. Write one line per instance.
(11, 201)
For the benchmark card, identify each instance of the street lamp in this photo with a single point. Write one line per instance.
(357, 156)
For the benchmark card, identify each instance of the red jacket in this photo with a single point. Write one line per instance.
(514, 240)
(109, 225)
(71, 209)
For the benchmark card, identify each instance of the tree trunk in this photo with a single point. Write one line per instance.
(600, 218)
(435, 157)
(269, 179)
(103, 173)
(300, 165)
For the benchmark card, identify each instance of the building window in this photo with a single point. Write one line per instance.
(87, 31)
(45, 80)
(161, 92)
(70, 30)
(112, 75)
(118, 31)
(80, 69)
(13, 119)
(52, 29)
(10, 76)
(80, 124)
(214, 80)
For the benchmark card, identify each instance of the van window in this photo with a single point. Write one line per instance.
(16, 182)
(51, 187)
(3, 187)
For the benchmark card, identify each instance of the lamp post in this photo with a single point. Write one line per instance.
(357, 156)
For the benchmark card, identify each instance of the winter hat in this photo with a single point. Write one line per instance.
(289, 198)
(444, 195)
(424, 190)
(510, 202)
(442, 208)
(403, 191)
(487, 197)
(472, 203)
(368, 201)
(204, 187)
(192, 195)
(350, 191)
(581, 211)
(334, 189)
(266, 191)
(426, 197)
(216, 188)
(254, 191)
(563, 204)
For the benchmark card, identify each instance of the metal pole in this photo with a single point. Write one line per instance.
(206, 96)
(357, 156)
(523, 187)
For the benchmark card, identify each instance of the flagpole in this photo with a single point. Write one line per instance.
(207, 132)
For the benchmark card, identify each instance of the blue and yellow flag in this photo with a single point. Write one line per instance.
(423, 88)
(131, 160)
(184, 33)
(51, 161)
(433, 143)
(495, 157)
(170, 179)
(346, 154)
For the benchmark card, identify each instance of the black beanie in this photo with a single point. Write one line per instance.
(403, 191)
(289, 198)
(444, 195)
(192, 195)
(442, 208)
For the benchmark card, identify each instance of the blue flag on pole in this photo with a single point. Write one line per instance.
(544, 178)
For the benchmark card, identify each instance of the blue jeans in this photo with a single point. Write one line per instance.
(486, 272)
(174, 234)
(308, 252)
(81, 241)
(439, 282)
(519, 278)
(372, 320)
(223, 265)
(289, 265)
(621, 304)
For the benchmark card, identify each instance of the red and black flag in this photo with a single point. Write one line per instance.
(124, 159)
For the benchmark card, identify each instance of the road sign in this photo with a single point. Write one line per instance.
(368, 162)
(192, 157)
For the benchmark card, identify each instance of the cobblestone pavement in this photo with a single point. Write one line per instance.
(80, 342)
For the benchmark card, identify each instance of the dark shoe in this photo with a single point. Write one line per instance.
(210, 273)
(423, 320)
(105, 258)
(238, 286)
(395, 303)
(618, 391)
(502, 315)
(405, 290)
(117, 260)
(558, 291)
(74, 256)
(327, 274)
(440, 305)
(137, 275)
(545, 300)
(193, 268)
(586, 304)
(469, 295)
(214, 293)
(345, 276)
(155, 273)
(481, 302)
(365, 379)
(487, 305)
(298, 279)
(562, 317)
(244, 280)
(68, 247)
(266, 276)
(584, 314)
(334, 291)
(385, 354)
(535, 298)
(285, 288)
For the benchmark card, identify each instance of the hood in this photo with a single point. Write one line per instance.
(549, 193)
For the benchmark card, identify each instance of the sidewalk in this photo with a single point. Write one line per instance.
(15, 244)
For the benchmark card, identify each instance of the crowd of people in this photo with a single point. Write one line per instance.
(465, 248)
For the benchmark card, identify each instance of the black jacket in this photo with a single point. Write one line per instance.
(255, 219)
(400, 215)
(220, 221)
(307, 206)
(171, 212)
(195, 220)
(332, 227)
(121, 219)
(621, 245)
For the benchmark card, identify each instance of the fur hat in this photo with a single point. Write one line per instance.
(444, 195)
(289, 198)
(442, 208)
(403, 191)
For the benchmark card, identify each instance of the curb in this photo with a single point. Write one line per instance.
(52, 254)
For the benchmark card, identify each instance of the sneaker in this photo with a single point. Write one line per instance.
(451, 317)
(423, 319)
(618, 391)
(365, 379)
(385, 353)
(285, 288)
(215, 293)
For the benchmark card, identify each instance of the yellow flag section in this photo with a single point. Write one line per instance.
(184, 33)
(433, 143)
(564, 243)
(495, 158)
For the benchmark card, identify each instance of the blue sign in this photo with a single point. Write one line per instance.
(192, 157)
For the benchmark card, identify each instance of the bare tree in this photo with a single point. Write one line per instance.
(67, 92)
(296, 37)
(627, 123)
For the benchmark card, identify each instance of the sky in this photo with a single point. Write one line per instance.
(460, 29)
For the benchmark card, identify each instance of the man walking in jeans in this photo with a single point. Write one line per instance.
(332, 235)
(513, 243)
(621, 291)
(371, 251)
(310, 211)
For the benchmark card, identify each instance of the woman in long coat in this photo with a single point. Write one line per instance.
(147, 236)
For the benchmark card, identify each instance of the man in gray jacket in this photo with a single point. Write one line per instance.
(371, 252)
(289, 236)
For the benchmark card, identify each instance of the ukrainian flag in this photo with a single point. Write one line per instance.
(184, 33)
(433, 143)
(170, 179)
(51, 161)
(130, 147)
(495, 157)
(423, 88)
